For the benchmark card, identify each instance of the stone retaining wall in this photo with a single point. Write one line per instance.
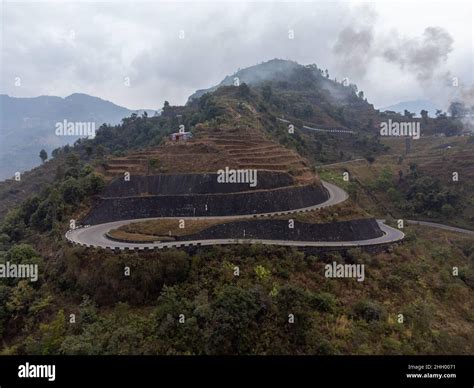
(267, 229)
(199, 205)
(177, 184)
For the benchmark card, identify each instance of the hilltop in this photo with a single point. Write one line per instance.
(305, 93)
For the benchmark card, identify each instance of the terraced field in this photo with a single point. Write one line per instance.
(433, 158)
(436, 156)
(210, 151)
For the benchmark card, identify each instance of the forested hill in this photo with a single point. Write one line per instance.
(226, 314)
(305, 92)
(302, 95)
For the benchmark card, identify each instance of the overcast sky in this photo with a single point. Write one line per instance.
(393, 51)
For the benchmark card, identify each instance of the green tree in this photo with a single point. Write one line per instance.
(447, 210)
(244, 90)
(93, 184)
(20, 299)
(23, 254)
(43, 155)
(424, 115)
(294, 302)
(72, 160)
(100, 151)
(89, 150)
(385, 180)
(50, 210)
(267, 92)
(324, 302)
(14, 225)
(71, 191)
(52, 336)
(234, 322)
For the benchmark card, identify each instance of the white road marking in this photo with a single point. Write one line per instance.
(95, 235)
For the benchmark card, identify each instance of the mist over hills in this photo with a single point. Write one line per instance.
(275, 69)
(27, 125)
(306, 93)
(284, 72)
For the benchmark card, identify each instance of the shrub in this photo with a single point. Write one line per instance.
(324, 302)
(369, 310)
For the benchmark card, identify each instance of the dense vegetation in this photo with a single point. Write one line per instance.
(418, 185)
(177, 302)
(47, 211)
(417, 195)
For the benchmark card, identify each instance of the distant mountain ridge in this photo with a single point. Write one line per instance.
(28, 124)
(414, 106)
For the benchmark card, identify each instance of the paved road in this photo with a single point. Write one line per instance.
(338, 163)
(441, 226)
(320, 129)
(95, 235)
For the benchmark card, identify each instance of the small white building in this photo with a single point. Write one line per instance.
(181, 136)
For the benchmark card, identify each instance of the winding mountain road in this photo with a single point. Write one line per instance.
(441, 226)
(96, 235)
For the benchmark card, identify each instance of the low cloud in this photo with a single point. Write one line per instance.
(424, 55)
(94, 47)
